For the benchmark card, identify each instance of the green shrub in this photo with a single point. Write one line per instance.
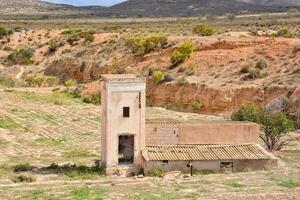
(54, 44)
(230, 16)
(178, 104)
(24, 178)
(39, 81)
(23, 168)
(203, 29)
(143, 44)
(196, 105)
(246, 69)
(3, 32)
(261, 64)
(7, 81)
(51, 81)
(182, 53)
(284, 32)
(296, 71)
(248, 112)
(74, 35)
(22, 56)
(35, 81)
(155, 173)
(255, 73)
(94, 98)
(70, 83)
(158, 76)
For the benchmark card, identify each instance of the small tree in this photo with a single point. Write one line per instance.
(274, 125)
(248, 112)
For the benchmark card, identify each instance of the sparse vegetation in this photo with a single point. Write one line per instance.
(7, 81)
(8, 123)
(261, 64)
(23, 168)
(3, 32)
(255, 72)
(203, 29)
(74, 35)
(274, 125)
(296, 71)
(183, 52)
(143, 44)
(24, 178)
(196, 105)
(155, 173)
(230, 16)
(39, 81)
(158, 76)
(70, 83)
(22, 57)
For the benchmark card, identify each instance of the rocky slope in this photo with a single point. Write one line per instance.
(212, 77)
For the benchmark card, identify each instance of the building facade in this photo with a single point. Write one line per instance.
(130, 144)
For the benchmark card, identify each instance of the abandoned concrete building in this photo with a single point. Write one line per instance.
(130, 142)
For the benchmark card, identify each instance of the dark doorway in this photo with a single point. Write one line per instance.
(126, 149)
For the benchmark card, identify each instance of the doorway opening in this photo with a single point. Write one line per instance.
(126, 149)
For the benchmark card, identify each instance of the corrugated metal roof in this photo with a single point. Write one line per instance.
(206, 152)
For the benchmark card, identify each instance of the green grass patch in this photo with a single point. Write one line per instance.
(77, 153)
(43, 116)
(89, 193)
(288, 183)
(234, 184)
(51, 141)
(56, 98)
(8, 123)
(37, 193)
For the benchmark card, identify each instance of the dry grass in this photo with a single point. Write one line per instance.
(70, 133)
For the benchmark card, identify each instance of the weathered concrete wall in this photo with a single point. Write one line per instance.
(161, 134)
(203, 133)
(219, 133)
(119, 92)
(238, 166)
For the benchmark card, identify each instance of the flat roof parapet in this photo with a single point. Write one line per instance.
(127, 78)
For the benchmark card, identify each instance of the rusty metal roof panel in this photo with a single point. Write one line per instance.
(206, 152)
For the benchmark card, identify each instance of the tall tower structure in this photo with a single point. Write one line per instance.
(123, 122)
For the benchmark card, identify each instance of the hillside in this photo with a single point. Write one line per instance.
(134, 8)
(30, 7)
(214, 74)
(184, 7)
(281, 3)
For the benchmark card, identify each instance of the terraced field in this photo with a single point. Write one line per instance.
(42, 128)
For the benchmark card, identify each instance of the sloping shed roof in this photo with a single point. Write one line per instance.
(206, 152)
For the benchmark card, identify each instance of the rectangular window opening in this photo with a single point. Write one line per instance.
(126, 112)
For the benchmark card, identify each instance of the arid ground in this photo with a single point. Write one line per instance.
(41, 128)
